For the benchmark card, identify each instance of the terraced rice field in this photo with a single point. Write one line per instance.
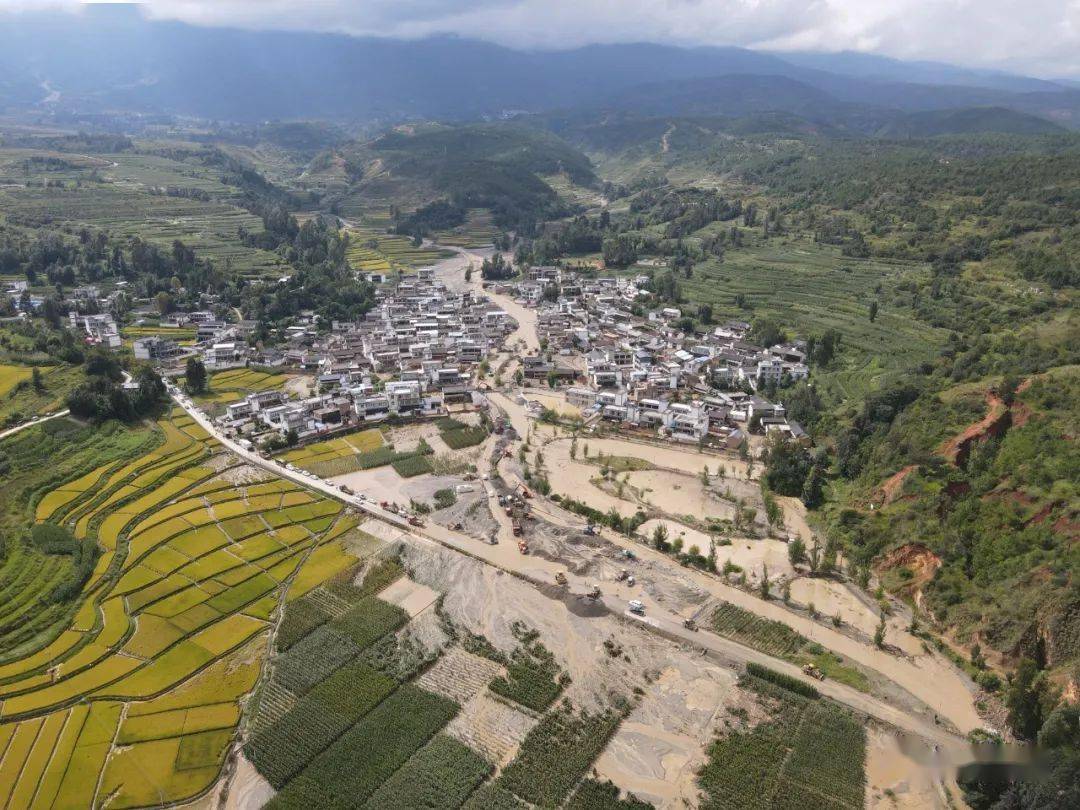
(478, 231)
(224, 387)
(137, 701)
(210, 228)
(809, 288)
(372, 250)
(10, 376)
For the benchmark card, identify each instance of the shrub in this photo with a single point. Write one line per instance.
(445, 498)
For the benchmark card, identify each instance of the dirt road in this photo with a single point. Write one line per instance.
(25, 425)
(451, 272)
(930, 680)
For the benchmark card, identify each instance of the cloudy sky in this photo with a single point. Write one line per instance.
(1040, 37)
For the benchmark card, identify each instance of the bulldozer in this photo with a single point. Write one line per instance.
(813, 672)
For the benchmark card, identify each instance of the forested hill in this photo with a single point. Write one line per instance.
(500, 167)
(937, 280)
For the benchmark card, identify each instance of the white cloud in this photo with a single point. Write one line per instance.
(1035, 36)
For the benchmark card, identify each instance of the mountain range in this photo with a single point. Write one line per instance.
(110, 59)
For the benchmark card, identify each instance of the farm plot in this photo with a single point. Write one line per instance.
(554, 756)
(779, 640)
(210, 228)
(335, 454)
(140, 698)
(30, 618)
(808, 754)
(459, 435)
(372, 250)
(478, 231)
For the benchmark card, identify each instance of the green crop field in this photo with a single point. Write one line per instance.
(808, 288)
(779, 640)
(132, 689)
(809, 754)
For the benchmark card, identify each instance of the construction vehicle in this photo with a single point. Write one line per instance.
(415, 521)
(636, 607)
(560, 578)
(516, 525)
(590, 530)
(631, 581)
(594, 592)
(384, 504)
(523, 547)
(457, 527)
(690, 624)
(813, 672)
(622, 575)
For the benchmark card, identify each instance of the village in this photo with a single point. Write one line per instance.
(424, 350)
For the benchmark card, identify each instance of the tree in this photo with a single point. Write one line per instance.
(195, 376)
(1025, 699)
(788, 466)
(705, 313)
(705, 476)
(763, 588)
(291, 437)
(796, 551)
(36, 381)
(468, 274)
(873, 311)
(659, 537)
(812, 491)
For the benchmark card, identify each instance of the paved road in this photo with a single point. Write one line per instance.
(541, 572)
(25, 425)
